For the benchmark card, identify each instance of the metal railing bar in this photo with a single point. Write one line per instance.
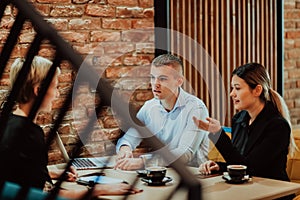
(3, 6)
(11, 41)
(22, 76)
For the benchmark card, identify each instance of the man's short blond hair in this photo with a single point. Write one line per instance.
(168, 60)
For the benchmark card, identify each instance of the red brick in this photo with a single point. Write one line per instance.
(142, 23)
(123, 2)
(292, 94)
(66, 77)
(129, 12)
(43, 9)
(295, 74)
(117, 72)
(297, 103)
(137, 60)
(109, 60)
(54, 1)
(293, 53)
(289, 4)
(119, 24)
(67, 11)
(297, 43)
(289, 64)
(98, 135)
(44, 118)
(59, 24)
(297, 5)
(80, 37)
(136, 36)
(100, 36)
(110, 122)
(6, 22)
(297, 25)
(144, 96)
(46, 51)
(292, 14)
(3, 36)
(80, 1)
(26, 37)
(293, 34)
(146, 3)
(289, 44)
(100, 10)
(298, 83)
(145, 48)
(298, 63)
(85, 24)
(148, 13)
(289, 24)
(20, 51)
(85, 48)
(64, 88)
(118, 47)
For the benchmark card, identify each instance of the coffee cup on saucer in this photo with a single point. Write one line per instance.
(237, 172)
(156, 174)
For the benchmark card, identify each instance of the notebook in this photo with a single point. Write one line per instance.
(85, 163)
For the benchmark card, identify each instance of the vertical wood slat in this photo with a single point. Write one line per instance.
(232, 32)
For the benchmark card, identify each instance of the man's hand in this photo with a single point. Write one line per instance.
(125, 152)
(129, 164)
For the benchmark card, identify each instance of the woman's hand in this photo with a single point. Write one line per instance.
(208, 166)
(71, 174)
(212, 126)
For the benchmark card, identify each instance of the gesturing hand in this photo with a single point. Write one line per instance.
(212, 126)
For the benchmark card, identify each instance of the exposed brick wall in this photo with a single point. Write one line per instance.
(116, 37)
(292, 59)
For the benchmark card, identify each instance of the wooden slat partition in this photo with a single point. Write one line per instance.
(232, 33)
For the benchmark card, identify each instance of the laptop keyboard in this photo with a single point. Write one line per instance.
(83, 163)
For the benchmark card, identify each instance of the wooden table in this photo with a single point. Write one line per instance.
(213, 188)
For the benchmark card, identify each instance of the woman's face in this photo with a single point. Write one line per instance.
(51, 94)
(242, 95)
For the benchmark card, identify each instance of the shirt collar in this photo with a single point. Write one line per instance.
(180, 102)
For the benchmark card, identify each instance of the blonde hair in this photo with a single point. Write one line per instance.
(37, 73)
(256, 74)
(169, 60)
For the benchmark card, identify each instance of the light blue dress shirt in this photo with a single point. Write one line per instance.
(176, 129)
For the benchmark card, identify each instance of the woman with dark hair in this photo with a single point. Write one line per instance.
(261, 135)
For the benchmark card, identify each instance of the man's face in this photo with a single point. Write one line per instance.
(165, 81)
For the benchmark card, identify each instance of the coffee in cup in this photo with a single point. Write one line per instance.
(156, 173)
(236, 172)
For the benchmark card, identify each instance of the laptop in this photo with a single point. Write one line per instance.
(86, 163)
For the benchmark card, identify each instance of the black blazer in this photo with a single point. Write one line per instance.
(264, 148)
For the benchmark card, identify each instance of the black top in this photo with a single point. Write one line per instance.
(23, 153)
(262, 146)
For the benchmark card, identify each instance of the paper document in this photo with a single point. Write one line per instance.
(99, 179)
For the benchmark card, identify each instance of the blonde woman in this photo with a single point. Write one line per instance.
(22, 147)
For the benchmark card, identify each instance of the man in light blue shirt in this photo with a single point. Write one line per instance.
(169, 116)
